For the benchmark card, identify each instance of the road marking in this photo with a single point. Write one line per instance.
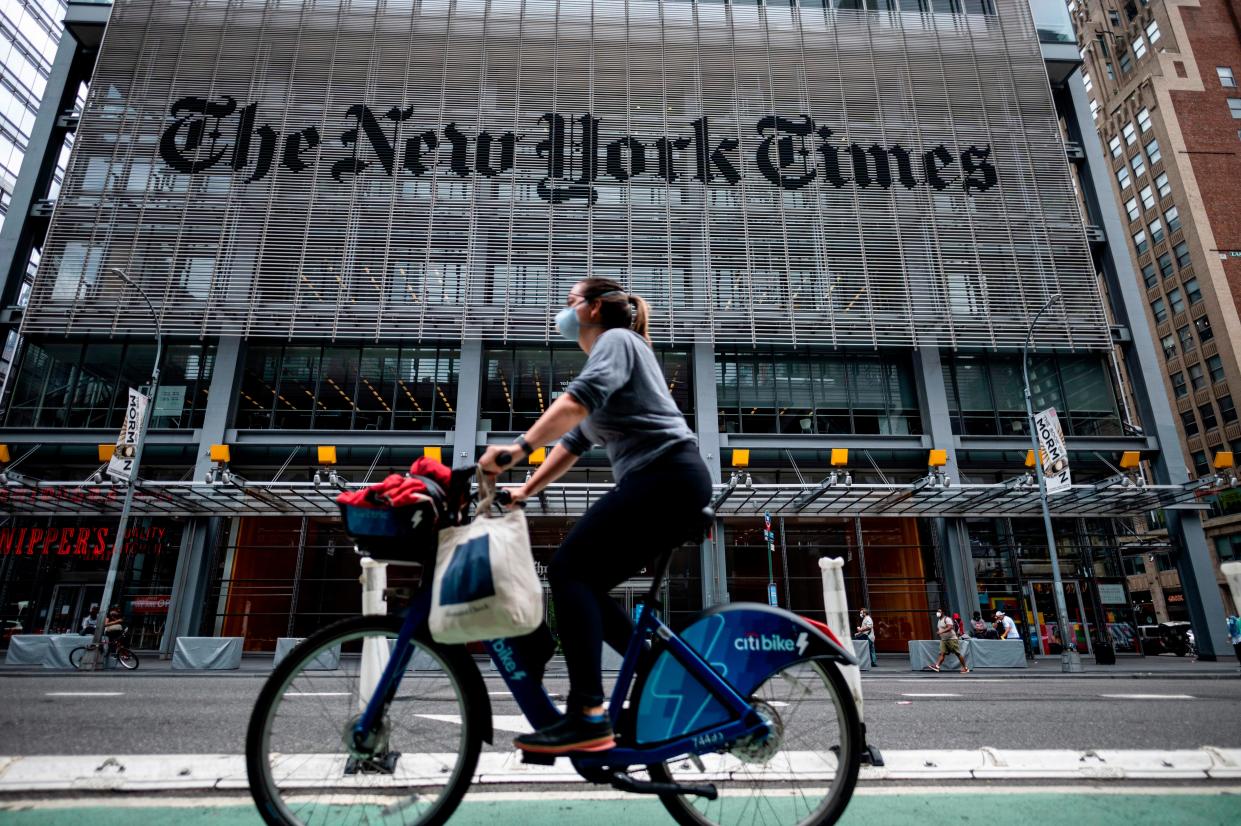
(85, 693)
(501, 722)
(930, 695)
(317, 694)
(1148, 696)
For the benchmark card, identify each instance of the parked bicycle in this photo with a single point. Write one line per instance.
(742, 717)
(113, 653)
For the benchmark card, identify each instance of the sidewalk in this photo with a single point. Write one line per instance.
(1164, 667)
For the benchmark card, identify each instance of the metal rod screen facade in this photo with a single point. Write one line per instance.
(774, 173)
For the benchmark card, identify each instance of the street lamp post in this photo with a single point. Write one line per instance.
(1070, 660)
(118, 543)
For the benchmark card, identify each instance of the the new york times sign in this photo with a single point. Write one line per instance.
(572, 155)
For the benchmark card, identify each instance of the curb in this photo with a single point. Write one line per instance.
(217, 772)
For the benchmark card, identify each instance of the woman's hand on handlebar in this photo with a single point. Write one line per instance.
(512, 498)
(499, 458)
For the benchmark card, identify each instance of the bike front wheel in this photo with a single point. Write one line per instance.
(84, 657)
(127, 659)
(302, 765)
(803, 773)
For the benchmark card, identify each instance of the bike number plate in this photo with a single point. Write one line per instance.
(743, 644)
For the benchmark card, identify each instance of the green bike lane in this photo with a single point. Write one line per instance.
(876, 806)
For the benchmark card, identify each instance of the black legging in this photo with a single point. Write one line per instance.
(652, 510)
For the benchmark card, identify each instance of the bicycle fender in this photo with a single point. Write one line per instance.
(745, 643)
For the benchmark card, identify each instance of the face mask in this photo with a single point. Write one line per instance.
(567, 323)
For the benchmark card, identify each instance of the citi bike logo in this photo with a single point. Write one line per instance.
(753, 641)
(505, 653)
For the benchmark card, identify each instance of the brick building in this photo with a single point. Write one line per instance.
(1162, 81)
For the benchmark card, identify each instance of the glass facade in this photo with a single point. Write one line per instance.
(798, 393)
(985, 394)
(520, 382)
(85, 384)
(349, 388)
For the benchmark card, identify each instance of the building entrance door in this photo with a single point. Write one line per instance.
(1043, 624)
(70, 603)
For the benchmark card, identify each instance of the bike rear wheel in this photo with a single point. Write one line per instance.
(127, 658)
(299, 766)
(804, 774)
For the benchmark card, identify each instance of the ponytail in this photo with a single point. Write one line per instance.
(618, 306)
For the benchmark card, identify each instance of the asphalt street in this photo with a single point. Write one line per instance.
(69, 713)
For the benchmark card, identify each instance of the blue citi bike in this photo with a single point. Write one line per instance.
(742, 717)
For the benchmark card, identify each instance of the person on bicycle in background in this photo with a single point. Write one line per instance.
(620, 400)
(113, 627)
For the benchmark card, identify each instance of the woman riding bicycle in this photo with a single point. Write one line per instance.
(619, 400)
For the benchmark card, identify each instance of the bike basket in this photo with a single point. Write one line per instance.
(405, 534)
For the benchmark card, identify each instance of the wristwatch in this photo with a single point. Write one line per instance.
(521, 442)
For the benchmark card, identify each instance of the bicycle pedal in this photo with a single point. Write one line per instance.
(535, 758)
(627, 783)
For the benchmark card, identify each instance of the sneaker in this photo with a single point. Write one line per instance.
(573, 732)
(965, 671)
(933, 667)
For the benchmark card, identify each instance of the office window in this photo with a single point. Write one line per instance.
(1173, 216)
(1102, 41)
(1148, 197)
(1203, 326)
(1196, 378)
(1087, 81)
(1186, 336)
(1126, 62)
(1175, 301)
(1111, 73)
(1152, 151)
(1207, 414)
(1201, 466)
(1168, 343)
(1094, 109)
(1234, 107)
(1192, 292)
(1139, 47)
(1144, 119)
(1139, 241)
(1152, 32)
(1225, 77)
(1227, 411)
(1157, 233)
(1181, 251)
(1216, 365)
(1165, 265)
(1161, 181)
(1114, 146)
(1150, 276)
(1159, 311)
(1131, 207)
(1130, 133)
(1113, 17)
(1179, 388)
(1139, 165)
(1122, 178)
(1189, 423)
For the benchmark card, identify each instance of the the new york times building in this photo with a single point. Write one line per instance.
(355, 219)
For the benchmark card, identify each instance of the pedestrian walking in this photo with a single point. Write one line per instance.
(948, 642)
(1234, 634)
(866, 631)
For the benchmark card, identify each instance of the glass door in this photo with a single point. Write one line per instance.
(1043, 625)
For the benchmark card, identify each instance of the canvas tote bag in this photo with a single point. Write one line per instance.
(485, 585)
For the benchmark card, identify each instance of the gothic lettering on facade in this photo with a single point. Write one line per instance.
(571, 155)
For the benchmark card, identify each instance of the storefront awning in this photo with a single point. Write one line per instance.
(180, 499)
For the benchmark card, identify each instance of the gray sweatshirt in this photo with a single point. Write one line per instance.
(631, 411)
